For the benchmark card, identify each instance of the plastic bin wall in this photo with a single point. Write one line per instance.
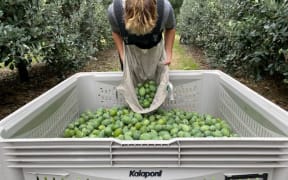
(31, 147)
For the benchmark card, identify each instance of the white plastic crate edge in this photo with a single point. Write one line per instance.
(15, 120)
(260, 103)
(152, 142)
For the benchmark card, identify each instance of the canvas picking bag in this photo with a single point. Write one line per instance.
(141, 65)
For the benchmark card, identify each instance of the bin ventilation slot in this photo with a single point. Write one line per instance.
(181, 153)
(239, 120)
(55, 124)
(181, 92)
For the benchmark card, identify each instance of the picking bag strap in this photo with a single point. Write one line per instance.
(119, 13)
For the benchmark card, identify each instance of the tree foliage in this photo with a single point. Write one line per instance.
(240, 36)
(176, 4)
(61, 33)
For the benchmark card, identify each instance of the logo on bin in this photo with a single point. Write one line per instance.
(145, 174)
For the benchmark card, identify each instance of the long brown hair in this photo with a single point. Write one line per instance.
(140, 16)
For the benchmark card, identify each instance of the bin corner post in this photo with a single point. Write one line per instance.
(7, 172)
(1, 159)
(281, 173)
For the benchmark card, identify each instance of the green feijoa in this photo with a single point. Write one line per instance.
(152, 118)
(121, 137)
(199, 134)
(166, 136)
(68, 133)
(115, 126)
(126, 119)
(127, 137)
(147, 96)
(106, 122)
(185, 121)
(108, 131)
(71, 126)
(152, 82)
(106, 115)
(189, 115)
(101, 134)
(143, 129)
(162, 133)
(138, 125)
(162, 121)
(85, 132)
(147, 92)
(180, 133)
(96, 132)
(113, 111)
(174, 131)
(146, 85)
(125, 129)
(134, 120)
(82, 121)
(92, 136)
(145, 136)
(158, 127)
(204, 128)
(138, 116)
(95, 123)
(101, 127)
(76, 123)
(212, 128)
(152, 88)
(119, 123)
(133, 129)
(82, 126)
(136, 135)
(145, 122)
(150, 100)
(90, 127)
(125, 111)
(142, 91)
(208, 133)
(225, 132)
(186, 134)
(153, 133)
(117, 132)
(195, 131)
(186, 128)
(146, 103)
(168, 127)
(217, 133)
(78, 134)
(218, 126)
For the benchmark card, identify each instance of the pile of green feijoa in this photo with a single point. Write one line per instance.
(145, 93)
(124, 124)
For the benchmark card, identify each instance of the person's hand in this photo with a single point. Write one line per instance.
(122, 58)
(167, 62)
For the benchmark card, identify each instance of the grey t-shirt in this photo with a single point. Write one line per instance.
(168, 22)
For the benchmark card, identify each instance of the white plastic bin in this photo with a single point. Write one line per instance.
(31, 147)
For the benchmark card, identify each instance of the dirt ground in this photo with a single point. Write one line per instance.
(13, 94)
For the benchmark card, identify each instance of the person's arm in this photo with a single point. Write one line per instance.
(169, 37)
(119, 44)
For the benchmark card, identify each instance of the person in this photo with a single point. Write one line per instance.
(142, 23)
(137, 30)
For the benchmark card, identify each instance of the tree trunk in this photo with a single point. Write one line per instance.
(23, 72)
